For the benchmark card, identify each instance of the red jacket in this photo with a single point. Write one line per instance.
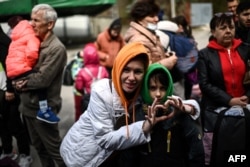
(83, 80)
(233, 67)
(23, 51)
(108, 48)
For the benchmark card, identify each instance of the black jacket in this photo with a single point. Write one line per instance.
(210, 77)
(243, 34)
(4, 47)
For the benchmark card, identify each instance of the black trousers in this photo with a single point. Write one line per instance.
(12, 125)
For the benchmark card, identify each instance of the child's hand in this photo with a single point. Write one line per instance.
(20, 85)
(177, 103)
(152, 119)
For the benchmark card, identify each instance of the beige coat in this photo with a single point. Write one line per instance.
(151, 41)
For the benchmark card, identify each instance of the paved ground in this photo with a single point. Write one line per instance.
(201, 35)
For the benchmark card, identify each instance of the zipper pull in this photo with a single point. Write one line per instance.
(168, 141)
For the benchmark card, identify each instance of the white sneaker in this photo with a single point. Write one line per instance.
(25, 161)
(13, 156)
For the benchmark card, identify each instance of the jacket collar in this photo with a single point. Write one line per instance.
(144, 31)
(47, 42)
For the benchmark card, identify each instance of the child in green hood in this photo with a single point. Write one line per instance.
(175, 142)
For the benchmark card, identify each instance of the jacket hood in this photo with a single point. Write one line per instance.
(213, 44)
(145, 88)
(164, 38)
(166, 25)
(90, 54)
(21, 29)
(128, 52)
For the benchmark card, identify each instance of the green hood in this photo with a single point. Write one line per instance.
(145, 90)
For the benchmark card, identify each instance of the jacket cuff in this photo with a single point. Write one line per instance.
(10, 88)
(196, 108)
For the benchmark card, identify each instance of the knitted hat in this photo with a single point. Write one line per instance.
(167, 26)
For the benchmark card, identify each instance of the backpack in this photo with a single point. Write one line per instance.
(226, 133)
(186, 50)
(86, 96)
(67, 75)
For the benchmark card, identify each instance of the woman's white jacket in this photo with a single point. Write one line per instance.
(92, 138)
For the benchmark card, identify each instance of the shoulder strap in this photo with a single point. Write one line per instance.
(215, 136)
(99, 72)
(91, 75)
(89, 72)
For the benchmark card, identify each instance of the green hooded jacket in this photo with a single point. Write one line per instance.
(145, 86)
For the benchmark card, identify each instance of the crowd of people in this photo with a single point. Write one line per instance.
(134, 106)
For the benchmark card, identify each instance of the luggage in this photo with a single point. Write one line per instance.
(226, 134)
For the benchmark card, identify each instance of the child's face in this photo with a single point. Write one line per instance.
(156, 90)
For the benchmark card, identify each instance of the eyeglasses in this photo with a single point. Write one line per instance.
(225, 14)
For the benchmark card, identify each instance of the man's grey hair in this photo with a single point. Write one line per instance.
(49, 12)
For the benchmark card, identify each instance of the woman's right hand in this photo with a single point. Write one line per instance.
(240, 101)
(169, 62)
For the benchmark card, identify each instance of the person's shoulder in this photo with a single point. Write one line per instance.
(206, 49)
(102, 34)
(103, 38)
(103, 81)
(244, 48)
(59, 43)
(101, 85)
(136, 29)
(54, 42)
(134, 35)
